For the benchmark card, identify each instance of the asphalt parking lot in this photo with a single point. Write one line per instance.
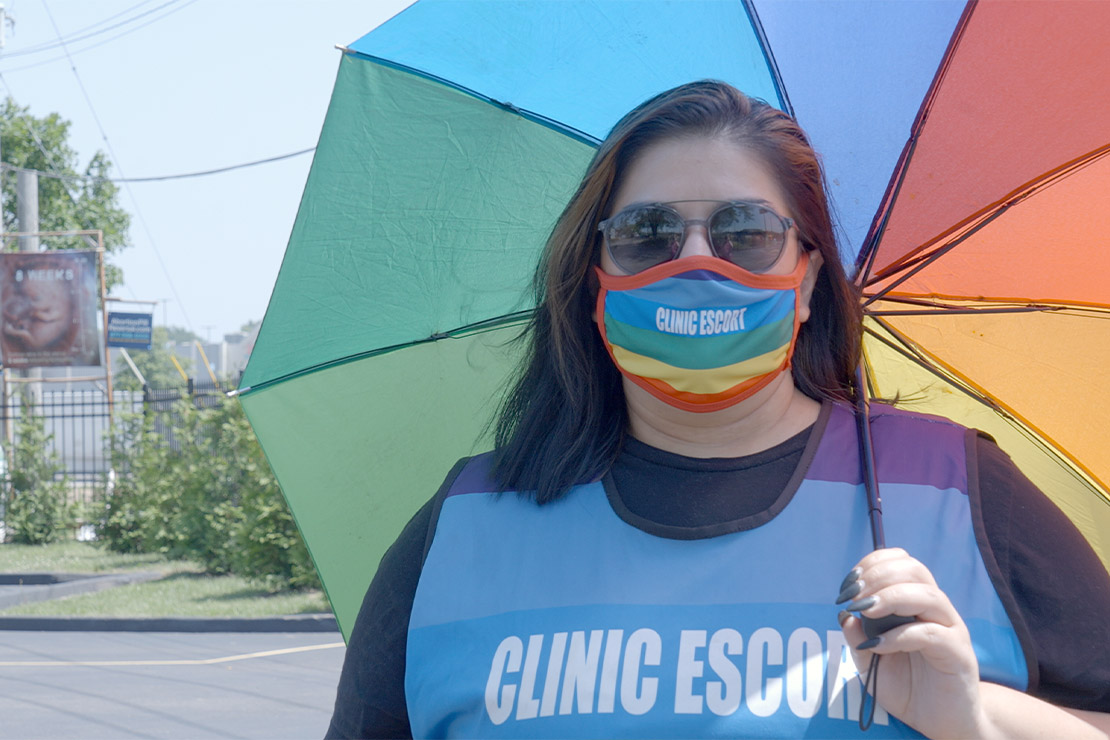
(167, 684)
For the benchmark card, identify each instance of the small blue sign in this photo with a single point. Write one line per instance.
(130, 330)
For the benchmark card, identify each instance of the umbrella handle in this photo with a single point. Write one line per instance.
(872, 627)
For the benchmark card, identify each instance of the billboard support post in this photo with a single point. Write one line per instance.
(104, 316)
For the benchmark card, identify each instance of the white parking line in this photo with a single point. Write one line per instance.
(204, 661)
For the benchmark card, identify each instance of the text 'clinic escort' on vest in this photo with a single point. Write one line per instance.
(605, 671)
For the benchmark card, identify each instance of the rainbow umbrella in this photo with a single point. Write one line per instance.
(458, 130)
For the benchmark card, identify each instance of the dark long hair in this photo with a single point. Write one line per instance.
(563, 420)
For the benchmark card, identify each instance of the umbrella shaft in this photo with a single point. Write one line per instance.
(877, 538)
(867, 462)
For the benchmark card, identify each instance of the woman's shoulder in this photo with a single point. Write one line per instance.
(892, 421)
(888, 415)
(472, 474)
(906, 443)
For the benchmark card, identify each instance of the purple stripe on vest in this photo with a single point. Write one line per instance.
(898, 437)
(475, 477)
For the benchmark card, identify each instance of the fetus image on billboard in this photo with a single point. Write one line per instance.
(49, 309)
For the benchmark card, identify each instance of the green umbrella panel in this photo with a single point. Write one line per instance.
(414, 186)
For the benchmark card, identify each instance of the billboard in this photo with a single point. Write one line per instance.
(130, 330)
(48, 302)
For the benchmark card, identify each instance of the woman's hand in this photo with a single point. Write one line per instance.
(929, 675)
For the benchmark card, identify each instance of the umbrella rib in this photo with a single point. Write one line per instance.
(539, 118)
(976, 221)
(936, 305)
(475, 328)
(870, 249)
(769, 57)
(924, 260)
(906, 348)
(940, 310)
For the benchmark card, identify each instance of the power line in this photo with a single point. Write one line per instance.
(160, 178)
(46, 45)
(68, 54)
(115, 158)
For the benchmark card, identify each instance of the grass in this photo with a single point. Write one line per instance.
(80, 557)
(184, 591)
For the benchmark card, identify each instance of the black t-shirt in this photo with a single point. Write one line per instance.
(1058, 584)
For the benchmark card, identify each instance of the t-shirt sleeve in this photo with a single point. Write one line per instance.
(1060, 586)
(370, 700)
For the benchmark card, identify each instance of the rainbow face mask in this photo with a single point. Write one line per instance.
(700, 333)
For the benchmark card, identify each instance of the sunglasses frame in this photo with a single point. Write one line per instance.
(603, 226)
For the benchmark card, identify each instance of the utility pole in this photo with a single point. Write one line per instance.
(27, 213)
(8, 431)
(3, 31)
(27, 208)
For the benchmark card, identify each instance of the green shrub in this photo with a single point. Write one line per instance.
(213, 500)
(132, 521)
(40, 515)
(36, 510)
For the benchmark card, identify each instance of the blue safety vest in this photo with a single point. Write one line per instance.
(564, 620)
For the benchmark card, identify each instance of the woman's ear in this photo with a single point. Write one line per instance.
(816, 261)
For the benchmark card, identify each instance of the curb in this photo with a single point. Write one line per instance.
(295, 623)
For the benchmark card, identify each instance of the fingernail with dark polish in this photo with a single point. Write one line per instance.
(868, 644)
(861, 604)
(842, 616)
(853, 575)
(849, 592)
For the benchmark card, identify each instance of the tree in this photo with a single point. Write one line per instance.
(73, 202)
(180, 334)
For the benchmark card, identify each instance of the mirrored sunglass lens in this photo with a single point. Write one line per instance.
(644, 237)
(748, 236)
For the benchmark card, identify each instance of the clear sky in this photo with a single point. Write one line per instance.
(192, 85)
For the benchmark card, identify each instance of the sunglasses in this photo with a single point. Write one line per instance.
(748, 235)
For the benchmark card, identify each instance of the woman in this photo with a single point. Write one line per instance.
(654, 545)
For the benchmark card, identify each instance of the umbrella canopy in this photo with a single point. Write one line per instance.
(457, 132)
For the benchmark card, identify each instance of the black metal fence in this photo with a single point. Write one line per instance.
(77, 422)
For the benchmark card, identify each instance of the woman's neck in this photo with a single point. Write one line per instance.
(773, 415)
